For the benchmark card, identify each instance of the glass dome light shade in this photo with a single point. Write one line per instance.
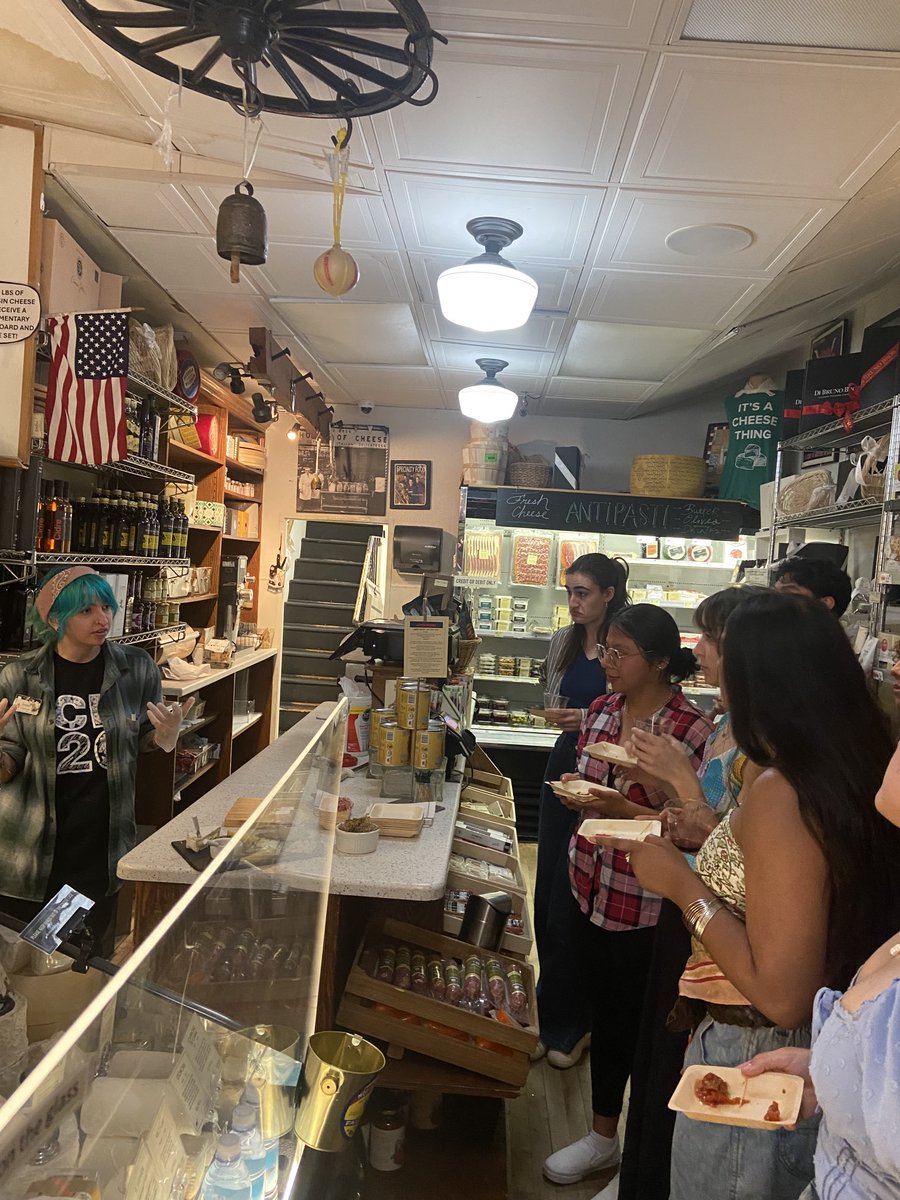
(487, 294)
(487, 402)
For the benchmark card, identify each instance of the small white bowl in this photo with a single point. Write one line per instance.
(355, 843)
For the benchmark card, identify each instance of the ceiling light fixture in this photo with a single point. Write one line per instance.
(488, 293)
(294, 432)
(264, 410)
(488, 400)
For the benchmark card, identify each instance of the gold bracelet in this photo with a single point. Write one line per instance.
(698, 915)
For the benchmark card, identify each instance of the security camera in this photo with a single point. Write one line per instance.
(366, 408)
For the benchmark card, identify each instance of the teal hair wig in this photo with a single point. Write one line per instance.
(81, 593)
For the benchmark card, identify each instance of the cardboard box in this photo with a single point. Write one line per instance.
(826, 385)
(879, 359)
(110, 290)
(431, 1027)
(70, 280)
(793, 403)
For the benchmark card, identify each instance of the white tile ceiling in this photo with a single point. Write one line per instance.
(594, 123)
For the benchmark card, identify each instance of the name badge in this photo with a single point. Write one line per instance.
(27, 706)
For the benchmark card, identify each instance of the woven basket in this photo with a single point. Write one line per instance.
(872, 477)
(529, 474)
(667, 475)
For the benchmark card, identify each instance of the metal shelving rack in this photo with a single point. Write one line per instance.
(875, 421)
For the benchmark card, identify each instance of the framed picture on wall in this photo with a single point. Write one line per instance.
(410, 483)
(831, 342)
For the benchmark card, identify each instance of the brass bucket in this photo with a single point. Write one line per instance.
(337, 1078)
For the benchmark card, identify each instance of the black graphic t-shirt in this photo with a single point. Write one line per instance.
(82, 792)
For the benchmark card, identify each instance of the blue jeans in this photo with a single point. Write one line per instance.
(725, 1162)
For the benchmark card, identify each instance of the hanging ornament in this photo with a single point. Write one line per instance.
(336, 271)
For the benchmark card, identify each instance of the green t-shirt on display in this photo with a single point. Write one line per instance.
(754, 428)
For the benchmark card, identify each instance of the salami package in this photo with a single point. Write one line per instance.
(481, 554)
(531, 559)
(569, 550)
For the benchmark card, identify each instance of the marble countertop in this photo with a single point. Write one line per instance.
(399, 869)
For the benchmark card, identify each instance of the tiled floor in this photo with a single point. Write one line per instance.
(553, 1110)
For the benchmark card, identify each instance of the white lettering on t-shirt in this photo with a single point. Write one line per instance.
(79, 752)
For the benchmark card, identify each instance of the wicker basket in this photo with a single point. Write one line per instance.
(667, 475)
(529, 474)
(872, 477)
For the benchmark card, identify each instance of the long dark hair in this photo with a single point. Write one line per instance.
(799, 703)
(711, 614)
(606, 573)
(656, 635)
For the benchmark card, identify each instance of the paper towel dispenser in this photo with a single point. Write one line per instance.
(422, 550)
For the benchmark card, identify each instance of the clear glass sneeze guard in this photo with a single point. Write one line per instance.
(128, 1103)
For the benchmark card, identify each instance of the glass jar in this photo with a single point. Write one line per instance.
(387, 1132)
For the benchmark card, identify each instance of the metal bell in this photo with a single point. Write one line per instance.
(241, 230)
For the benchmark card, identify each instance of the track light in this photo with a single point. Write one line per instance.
(233, 374)
(294, 432)
(263, 410)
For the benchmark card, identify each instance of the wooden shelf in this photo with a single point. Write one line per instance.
(204, 528)
(234, 465)
(189, 454)
(229, 495)
(241, 724)
(195, 599)
(183, 781)
(235, 537)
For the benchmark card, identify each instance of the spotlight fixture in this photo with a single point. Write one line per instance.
(488, 400)
(294, 432)
(488, 293)
(263, 410)
(233, 374)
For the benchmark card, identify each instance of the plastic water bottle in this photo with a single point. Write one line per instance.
(227, 1177)
(270, 1144)
(253, 1152)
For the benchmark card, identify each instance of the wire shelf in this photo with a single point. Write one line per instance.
(836, 516)
(131, 639)
(874, 419)
(174, 404)
(137, 467)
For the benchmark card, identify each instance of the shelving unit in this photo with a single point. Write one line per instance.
(875, 421)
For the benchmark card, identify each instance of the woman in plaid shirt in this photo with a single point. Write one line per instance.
(644, 661)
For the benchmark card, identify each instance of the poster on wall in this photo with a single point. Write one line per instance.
(346, 475)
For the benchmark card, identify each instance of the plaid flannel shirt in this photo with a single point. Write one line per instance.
(602, 880)
(28, 801)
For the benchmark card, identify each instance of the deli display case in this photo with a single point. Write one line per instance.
(205, 1029)
(513, 578)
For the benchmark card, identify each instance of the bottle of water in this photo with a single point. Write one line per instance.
(227, 1177)
(253, 1152)
(270, 1144)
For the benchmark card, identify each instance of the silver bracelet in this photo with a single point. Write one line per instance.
(698, 915)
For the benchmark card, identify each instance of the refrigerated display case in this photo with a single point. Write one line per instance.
(513, 579)
(215, 1007)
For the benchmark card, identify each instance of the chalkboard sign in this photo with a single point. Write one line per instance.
(616, 512)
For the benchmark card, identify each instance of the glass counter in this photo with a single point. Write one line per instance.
(214, 1009)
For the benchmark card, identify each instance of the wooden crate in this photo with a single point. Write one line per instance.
(517, 944)
(473, 1042)
(506, 816)
(497, 826)
(519, 884)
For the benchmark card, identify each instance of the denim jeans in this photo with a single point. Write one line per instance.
(726, 1162)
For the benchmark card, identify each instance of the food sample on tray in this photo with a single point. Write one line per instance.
(481, 554)
(569, 550)
(531, 559)
(726, 1096)
(712, 1089)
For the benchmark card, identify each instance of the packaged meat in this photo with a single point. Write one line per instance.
(453, 976)
(496, 980)
(518, 998)
(531, 559)
(418, 974)
(402, 969)
(570, 550)
(387, 961)
(481, 554)
(473, 976)
(436, 983)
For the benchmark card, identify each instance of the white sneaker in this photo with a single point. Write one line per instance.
(585, 1157)
(562, 1061)
(611, 1191)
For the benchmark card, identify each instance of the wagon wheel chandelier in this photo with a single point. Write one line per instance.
(302, 58)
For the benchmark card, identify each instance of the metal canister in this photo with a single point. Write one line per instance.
(393, 746)
(428, 746)
(413, 705)
(376, 719)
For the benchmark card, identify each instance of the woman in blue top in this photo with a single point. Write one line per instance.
(596, 588)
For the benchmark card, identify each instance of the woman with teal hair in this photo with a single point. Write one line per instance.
(74, 715)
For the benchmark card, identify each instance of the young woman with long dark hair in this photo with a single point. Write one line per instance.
(596, 587)
(791, 889)
(612, 916)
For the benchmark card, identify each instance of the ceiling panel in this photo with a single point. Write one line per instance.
(487, 90)
(305, 217)
(655, 298)
(189, 263)
(137, 204)
(357, 333)
(601, 349)
(605, 410)
(220, 310)
(621, 390)
(540, 333)
(720, 123)
(408, 387)
(607, 22)
(639, 223)
(288, 275)
(558, 222)
(865, 25)
(461, 357)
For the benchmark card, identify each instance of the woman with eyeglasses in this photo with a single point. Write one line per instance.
(613, 917)
(596, 591)
(791, 890)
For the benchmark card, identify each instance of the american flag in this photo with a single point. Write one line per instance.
(86, 387)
